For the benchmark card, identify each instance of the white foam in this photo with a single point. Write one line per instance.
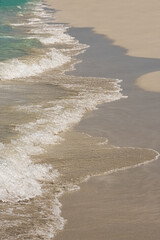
(1, 146)
(55, 222)
(132, 166)
(19, 176)
(7, 37)
(26, 68)
(48, 34)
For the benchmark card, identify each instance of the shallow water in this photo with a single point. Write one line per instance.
(41, 156)
(122, 205)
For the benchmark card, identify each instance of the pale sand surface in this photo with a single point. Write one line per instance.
(150, 82)
(133, 25)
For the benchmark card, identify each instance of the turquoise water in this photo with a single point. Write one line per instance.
(14, 41)
(12, 3)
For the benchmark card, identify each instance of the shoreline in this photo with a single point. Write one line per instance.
(116, 20)
(116, 120)
(150, 82)
(90, 123)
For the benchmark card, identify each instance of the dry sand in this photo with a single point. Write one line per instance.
(150, 82)
(133, 25)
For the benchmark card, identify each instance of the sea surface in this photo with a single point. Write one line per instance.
(41, 155)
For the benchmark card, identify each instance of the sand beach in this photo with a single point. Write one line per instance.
(132, 25)
(124, 43)
(79, 120)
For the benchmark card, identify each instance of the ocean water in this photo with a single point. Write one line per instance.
(41, 156)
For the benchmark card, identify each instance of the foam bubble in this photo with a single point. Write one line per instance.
(19, 178)
(19, 175)
(48, 34)
(1, 146)
(22, 68)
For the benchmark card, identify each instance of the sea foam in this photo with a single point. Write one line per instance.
(18, 68)
(48, 33)
(20, 177)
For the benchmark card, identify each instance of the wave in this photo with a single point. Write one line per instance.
(16, 68)
(23, 175)
(19, 176)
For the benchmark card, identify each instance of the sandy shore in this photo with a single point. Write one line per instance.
(133, 25)
(149, 82)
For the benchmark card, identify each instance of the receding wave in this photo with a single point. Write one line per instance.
(17, 169)
(21, 175)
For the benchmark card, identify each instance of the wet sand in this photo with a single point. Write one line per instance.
(123, 205)
(113, 207)
(128, 122)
